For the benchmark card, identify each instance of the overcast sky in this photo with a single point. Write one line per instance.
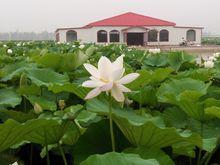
(40, 15)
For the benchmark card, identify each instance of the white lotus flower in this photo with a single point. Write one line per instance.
(82, 46)
(208, 64)
(212, 58)
(5, 46)
(154, 51)
(108, 77)
(73, 46)
(216, 55)
(9, 51)
(15, 163)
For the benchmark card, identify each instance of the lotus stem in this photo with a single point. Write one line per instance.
(31, 157)
(48, 157)
(200, 150)
(190, 160)
(111, 123)
(210, 155)
(63, 154)
(46, 146)
(140, 99)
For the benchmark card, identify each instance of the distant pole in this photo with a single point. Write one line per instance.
(9, 36)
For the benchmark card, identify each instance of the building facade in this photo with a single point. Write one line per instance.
(131, 29)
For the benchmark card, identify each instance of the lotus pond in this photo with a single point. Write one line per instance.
(146, 107)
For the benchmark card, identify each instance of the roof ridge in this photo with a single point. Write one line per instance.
(132, 15)
(108, 18)
(152, 17)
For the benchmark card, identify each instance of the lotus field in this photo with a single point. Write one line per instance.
(92, 104)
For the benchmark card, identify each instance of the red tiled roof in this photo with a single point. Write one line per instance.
(131, 19)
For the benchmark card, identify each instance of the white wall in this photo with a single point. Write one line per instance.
(89, 35)
(176, 34)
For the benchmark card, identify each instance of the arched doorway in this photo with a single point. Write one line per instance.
(191, 35)
(71, 36)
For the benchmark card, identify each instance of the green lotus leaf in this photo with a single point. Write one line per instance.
(184, 148)
(144, 130)
(63, 62)
(46, 77)
(150, 77)
(9, 98)
(184, 93)
(175, 117)
(175, 88)
(157, 60)
(176, 59)
(149, 134)
(213, 111)
(43, 102)
(65, 132)
(146, 95)
(118, 158)
(201, 74)
(77, 89)
(13, 132)
(151, 153)
(12, 70)
(16, 115)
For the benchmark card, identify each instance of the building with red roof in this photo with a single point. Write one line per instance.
(132, 29)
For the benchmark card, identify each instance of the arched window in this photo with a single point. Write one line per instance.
(152, 36)
(114, 36)
(164, 36)
(57, 37)
(71, 36)
(191, 35)
(102, 36)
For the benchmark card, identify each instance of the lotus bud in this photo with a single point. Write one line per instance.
(81, 46)
(37, 108)
(208, 64)
(62, 104)
(128, 101)
(9, 51)
(23, 80)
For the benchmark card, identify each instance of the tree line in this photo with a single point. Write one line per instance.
(22, 36)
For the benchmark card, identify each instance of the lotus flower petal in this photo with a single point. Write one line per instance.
(128, 78)
(93, 93)
(105, 68)
(117, 74)
(92, 70)
(117, 94)
(92, 84)
(107, 86)
(118, 63)
(123, 88)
